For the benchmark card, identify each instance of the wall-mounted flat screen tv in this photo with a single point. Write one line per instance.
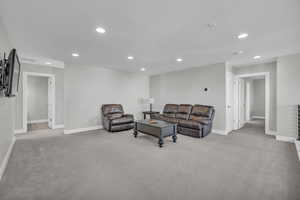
(12, 69)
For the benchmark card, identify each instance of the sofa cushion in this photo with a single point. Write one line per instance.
(202, 120)
(169, 115)
(122, 120)
(170, 120)
(190, 124)
(170, 108)
(201, 110)
(183, 111)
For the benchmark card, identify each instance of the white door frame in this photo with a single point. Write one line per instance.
(241, 103)
(248, 99)
(267, 97)
(25, 96)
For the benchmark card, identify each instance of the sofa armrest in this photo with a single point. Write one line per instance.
(205, 121)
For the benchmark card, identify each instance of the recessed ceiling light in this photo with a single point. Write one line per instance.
(143, 69)
(75, 54)
(130, 57)
(100, 30)
(242, 35)
(48, 63)
(179, 59)
(256, 57)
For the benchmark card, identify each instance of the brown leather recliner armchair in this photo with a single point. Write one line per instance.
(114, 119)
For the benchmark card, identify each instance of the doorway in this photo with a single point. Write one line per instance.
(252, 100)
(38, 104)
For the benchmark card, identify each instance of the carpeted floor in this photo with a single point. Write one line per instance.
(245, 165)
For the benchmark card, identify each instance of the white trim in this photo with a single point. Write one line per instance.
(39, 74)
(271, 132)
(37, 121)
(78, 130)
(59, 126)
(297, 143)
(219, 132)
(25, 95)
(258, 117)
(41, 61)
(19, 131)
(267, 96)
(6, 157)
(252, 74)
(285, 138)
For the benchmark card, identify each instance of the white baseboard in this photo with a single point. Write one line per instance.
(78, 130)
(20, 131)
(220, 132)
(258, 117)
(6, 157)
(271, 133)
(59, 126)
(285, 138)
(37, 121)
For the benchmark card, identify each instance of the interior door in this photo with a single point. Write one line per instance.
(50, 102)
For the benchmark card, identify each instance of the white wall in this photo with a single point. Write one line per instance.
(288, 95)
(37, 98)
(187, 87)
(258, 106)
(59, 93)
(87, 88)
(265, 67)
(6, 105)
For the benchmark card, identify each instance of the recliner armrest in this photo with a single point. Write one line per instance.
(129, 116)
(205, 121)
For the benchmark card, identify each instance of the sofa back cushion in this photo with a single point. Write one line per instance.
(170, 110)
(184, 111)
(201, 112)
(113, 110)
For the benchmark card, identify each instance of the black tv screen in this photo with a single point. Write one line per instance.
(13, 67)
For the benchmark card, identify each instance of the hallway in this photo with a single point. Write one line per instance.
(255, 127)
(256, 123)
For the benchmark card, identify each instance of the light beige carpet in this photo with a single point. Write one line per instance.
(245, 165)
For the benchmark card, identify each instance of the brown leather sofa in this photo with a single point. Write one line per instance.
(114, 119)
(191, 120)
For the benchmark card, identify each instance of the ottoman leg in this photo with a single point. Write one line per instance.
(160, 142)
(174, 137)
